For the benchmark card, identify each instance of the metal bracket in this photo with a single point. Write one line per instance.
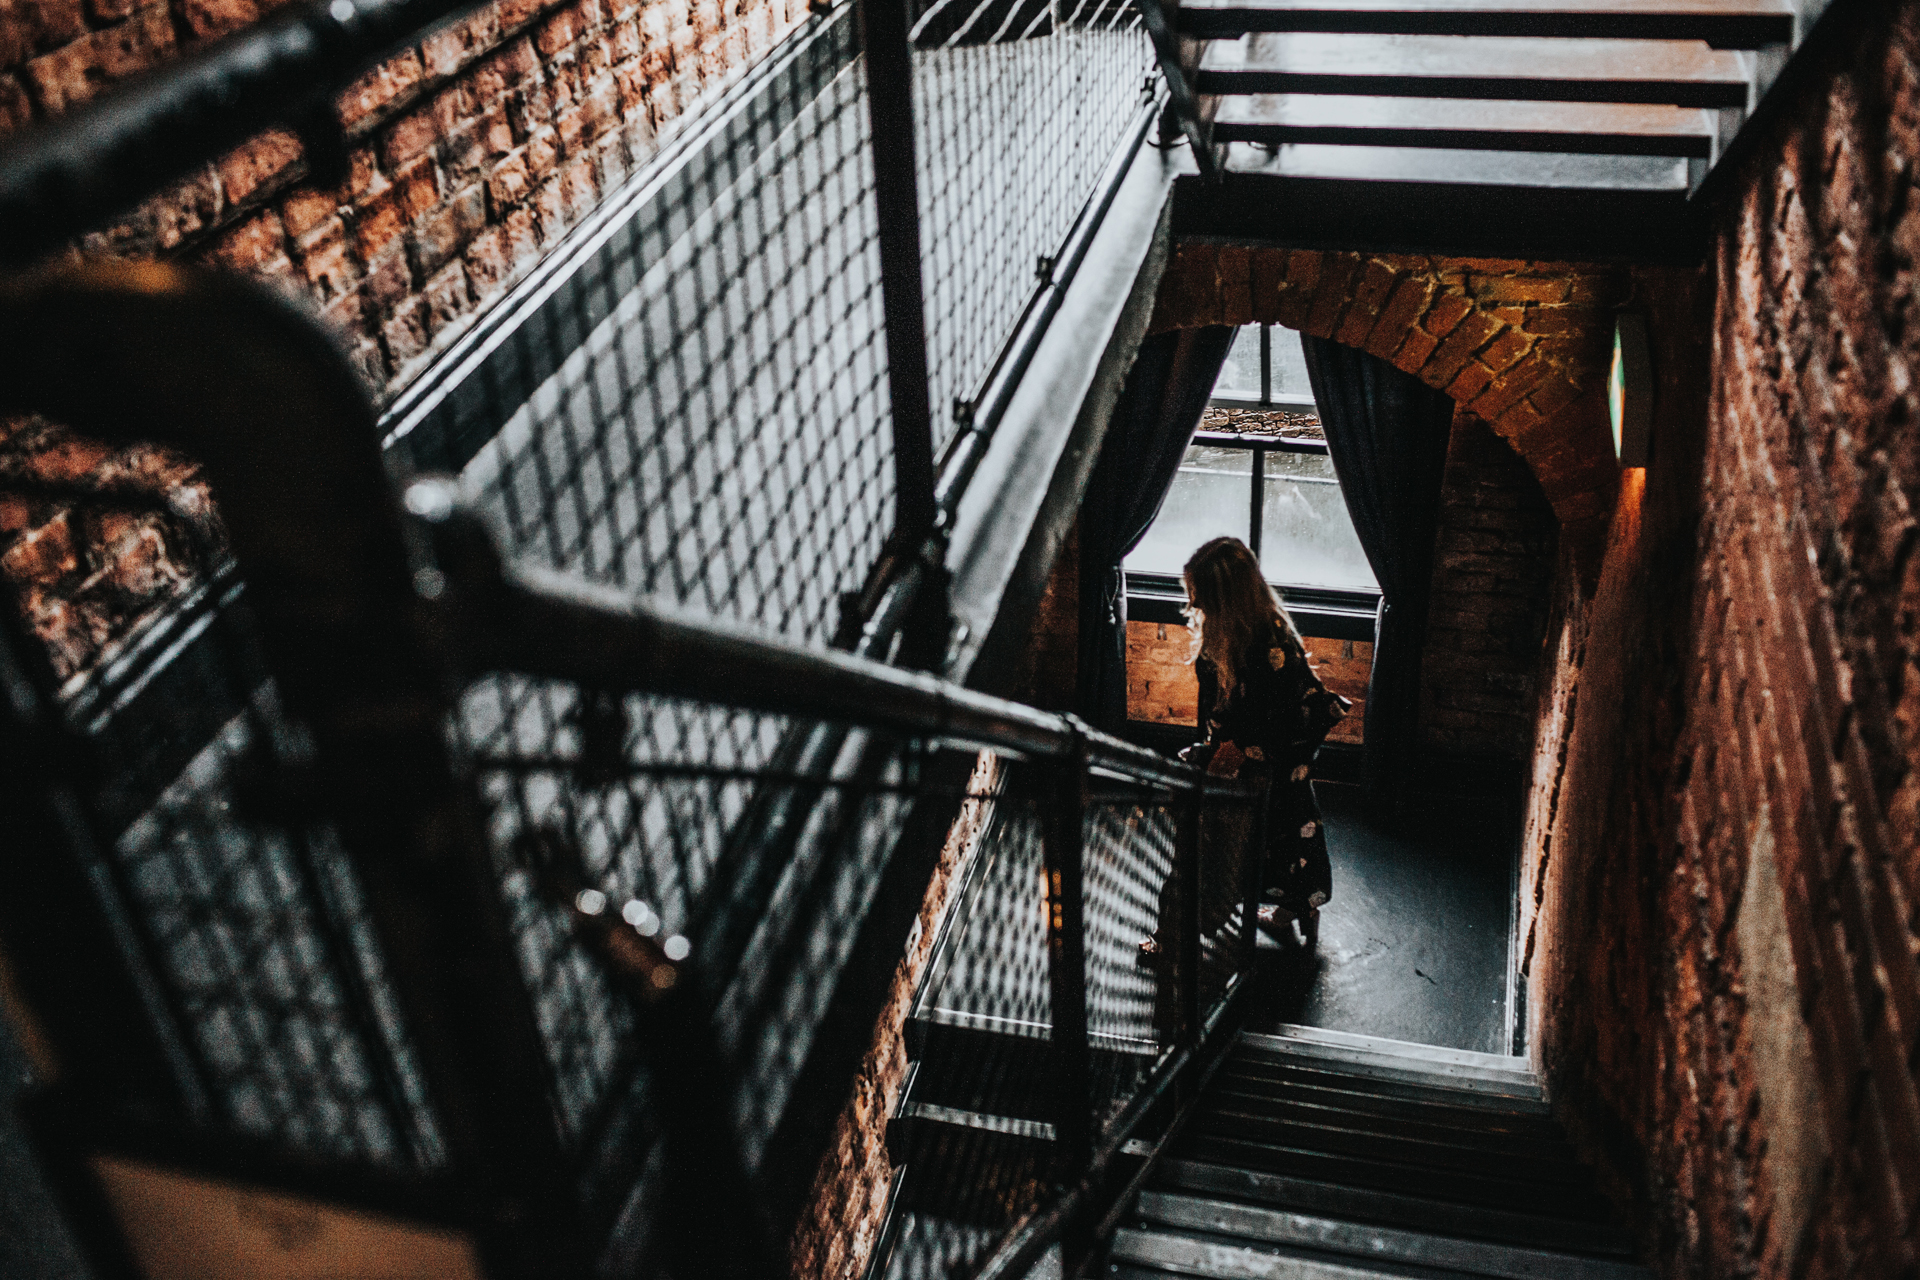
(1159, 16)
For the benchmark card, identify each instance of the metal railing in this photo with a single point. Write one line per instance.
(697, 396)
(423, 927)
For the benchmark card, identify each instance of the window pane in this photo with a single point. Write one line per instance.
(1306, 535)
(1209, 499)
(1240, 376)
(1289, 366)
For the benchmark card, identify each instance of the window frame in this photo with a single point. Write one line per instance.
(1328, 613)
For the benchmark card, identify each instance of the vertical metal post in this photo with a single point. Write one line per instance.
(889, 59)
(1253, 863)
(1063, 823)
(1187, 852)
(1257, 506)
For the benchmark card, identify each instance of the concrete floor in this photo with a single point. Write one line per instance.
(1415, 943)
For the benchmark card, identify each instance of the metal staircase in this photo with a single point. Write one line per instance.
(1583, 128)
(1328, 1156)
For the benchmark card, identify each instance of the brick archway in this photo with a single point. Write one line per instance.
(1522, 345)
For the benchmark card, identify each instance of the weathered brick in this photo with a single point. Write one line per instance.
(379, 87)
(207, 19)
(326, 259)
(388, 279)
(447, 296)
(404, 333)
(257, 164)
(508, 184)
(442, 233)
(413, 190)
(411, 135)
(16, 108)
(255, 245)
(83, 68)
(474, 146)
(449, 50)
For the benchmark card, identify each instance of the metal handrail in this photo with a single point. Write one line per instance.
(536, 622)
(94, 163)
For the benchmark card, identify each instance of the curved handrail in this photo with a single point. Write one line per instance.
(93, 163)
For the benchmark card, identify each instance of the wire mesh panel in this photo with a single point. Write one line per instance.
(719, 436)
(1019, 107)
(1129, 907)
(258, 934)
(646, 801)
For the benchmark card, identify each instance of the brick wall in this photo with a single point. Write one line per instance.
(1493, 568)
(1724, 842)
(1522, 345)
(835, 1239)
(472, 152)
(1162, 688)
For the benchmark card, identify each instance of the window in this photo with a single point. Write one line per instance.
(1261, 474)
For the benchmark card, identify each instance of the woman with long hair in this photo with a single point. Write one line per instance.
(1264, 713)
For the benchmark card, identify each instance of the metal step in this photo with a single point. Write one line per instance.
(1466, 1131)
(1373, 1058)
(1227, 1259)
(1274, 1080)
(1595, 128)
(1726, 24)
(1442, 1158)
(1414, 1212)
(1374, 1243)
(1388, 167)
(1452, 1186)
(1682, 73)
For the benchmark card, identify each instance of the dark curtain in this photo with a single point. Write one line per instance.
(1387, 434)
(1160, 405)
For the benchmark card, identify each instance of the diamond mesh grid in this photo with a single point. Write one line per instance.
(260, 937)
(1017, 113)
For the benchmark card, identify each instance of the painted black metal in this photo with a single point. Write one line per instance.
(1255, 79)
(1093, 1203)
(91, 164)
(78, 967)
(1063, 821)
(1186, 938)
(341, 637)
(1811, 58)
(446, 415)
(1183, 89)
(889, 65)
(968, 447)
(1733, 29)
(1547, 223)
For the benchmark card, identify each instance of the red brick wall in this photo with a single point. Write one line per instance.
(1163, 689)
(1723, 842)
(835, 1238)
(1493, 566)
(472, 152)
(1522, 345)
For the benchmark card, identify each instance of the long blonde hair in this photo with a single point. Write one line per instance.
(1229, 604)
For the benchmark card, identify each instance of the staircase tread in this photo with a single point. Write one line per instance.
(1499, 1225)
(1381, 1149)
(1342, 1236)
(1226, 1258)
(1451, 1069)
(1443, 1110)
(1494, 59)
(1543, 1144)
(1300, 1034)
(1466, 124)
(1728, 23)
(1399, 1176)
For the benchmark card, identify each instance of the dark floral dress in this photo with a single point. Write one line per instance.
(1277, 717)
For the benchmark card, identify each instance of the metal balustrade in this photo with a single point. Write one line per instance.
(524, 915)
